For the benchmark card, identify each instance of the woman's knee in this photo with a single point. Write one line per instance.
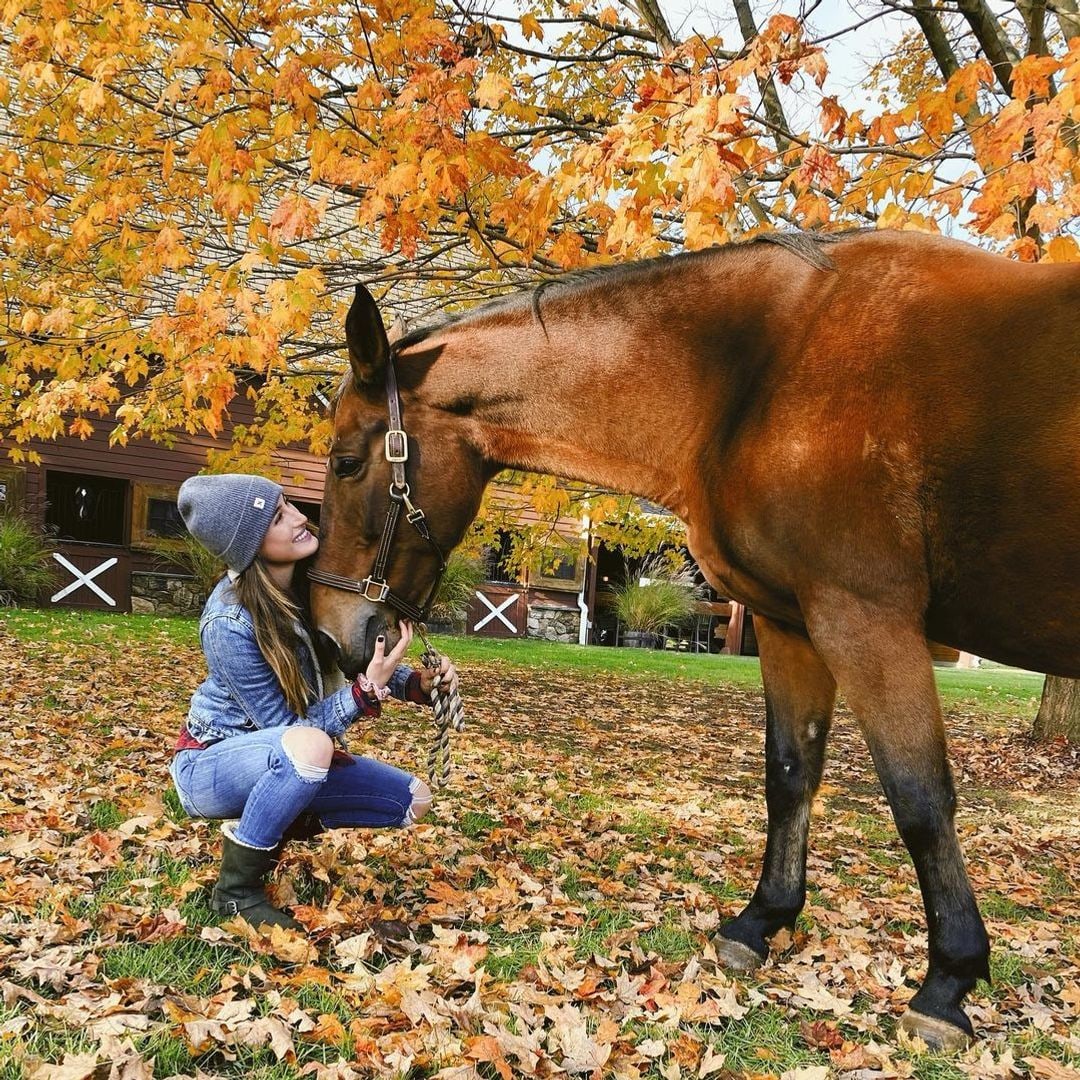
(308, 746)
(421, 800)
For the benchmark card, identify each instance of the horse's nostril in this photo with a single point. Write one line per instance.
(327, 648)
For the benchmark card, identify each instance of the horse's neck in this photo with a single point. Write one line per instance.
(612, 398)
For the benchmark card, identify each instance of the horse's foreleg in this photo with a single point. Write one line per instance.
(799, 696)
(884, 671)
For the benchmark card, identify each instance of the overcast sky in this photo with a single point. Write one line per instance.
(850, 56)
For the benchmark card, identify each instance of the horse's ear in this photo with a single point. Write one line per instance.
(369, 349)
(399, 329)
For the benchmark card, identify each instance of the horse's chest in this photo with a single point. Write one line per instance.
(720, 555)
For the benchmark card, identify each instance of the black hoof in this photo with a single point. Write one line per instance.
(938, 1034)
(735, 956)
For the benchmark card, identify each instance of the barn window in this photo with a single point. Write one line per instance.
(496, 559)
(163, 519)
(89, 509)
(11, 487)
(567, 576)
(155, 518)
(310, 510)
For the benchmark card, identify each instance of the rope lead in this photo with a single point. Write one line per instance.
(449, 715)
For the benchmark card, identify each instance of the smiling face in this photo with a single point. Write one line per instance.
(287, 540)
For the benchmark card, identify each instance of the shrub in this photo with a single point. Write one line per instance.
(25, 563)
(662, 595)
(187, 553)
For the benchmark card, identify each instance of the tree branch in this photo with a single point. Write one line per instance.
(999, 50)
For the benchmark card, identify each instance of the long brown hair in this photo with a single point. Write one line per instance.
(275, 614)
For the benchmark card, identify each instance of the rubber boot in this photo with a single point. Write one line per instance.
(240, 888)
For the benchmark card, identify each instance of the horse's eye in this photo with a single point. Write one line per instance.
(347, 466)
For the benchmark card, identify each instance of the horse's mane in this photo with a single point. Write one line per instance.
(805, 245)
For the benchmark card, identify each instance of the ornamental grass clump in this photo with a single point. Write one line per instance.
(662, 595)
(190, 556)
(26, 567)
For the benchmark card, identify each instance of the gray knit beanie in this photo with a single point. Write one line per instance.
(229, 514)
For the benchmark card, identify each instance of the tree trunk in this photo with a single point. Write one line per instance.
(1059, 710)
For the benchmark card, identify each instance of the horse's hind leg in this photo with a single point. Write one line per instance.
(799, 696)
(883, 669)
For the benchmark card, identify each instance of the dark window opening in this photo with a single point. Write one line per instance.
(565, 571)
(496, 558)
(163, 519)
(89, 509)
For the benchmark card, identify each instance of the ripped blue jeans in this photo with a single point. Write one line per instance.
(253, 778)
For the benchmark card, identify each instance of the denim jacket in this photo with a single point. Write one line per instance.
(242, 692)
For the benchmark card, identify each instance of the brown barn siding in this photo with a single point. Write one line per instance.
(154, 463)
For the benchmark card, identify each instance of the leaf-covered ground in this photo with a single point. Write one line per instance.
(553, 918)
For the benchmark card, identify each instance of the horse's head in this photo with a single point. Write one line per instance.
(444, 476)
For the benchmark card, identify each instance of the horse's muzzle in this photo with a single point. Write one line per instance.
(354, 657)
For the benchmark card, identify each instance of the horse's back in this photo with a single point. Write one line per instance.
(992, 356)
(942, 386)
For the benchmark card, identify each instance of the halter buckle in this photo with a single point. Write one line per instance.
(382, 587)
(399, 451)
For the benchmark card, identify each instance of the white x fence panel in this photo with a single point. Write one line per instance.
(83, 578)
(496, 612)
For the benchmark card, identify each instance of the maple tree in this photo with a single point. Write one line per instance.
(190, 190)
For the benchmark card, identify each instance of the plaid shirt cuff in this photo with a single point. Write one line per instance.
(369, 706)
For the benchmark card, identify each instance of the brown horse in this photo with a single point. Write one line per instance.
(872, 441)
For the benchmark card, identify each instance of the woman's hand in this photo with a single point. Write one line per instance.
(449, 678)
(384, 664)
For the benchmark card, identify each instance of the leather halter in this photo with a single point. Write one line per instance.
(375, 587)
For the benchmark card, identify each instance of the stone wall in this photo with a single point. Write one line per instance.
(553, 623)
(165, 594)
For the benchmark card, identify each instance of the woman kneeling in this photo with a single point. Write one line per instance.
(257, 749)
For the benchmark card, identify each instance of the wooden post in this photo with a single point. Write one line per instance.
(733, 640)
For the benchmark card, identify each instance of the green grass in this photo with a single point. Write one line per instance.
(570, 881)
(1036, 1043)
(642, 824)
(105, 815)
(994, 905)
(580, 804)
(535, 858)
(600, 925)
(180, 963)
(670, 941)
(996, 690)
(102, 629)
(766, 1041)
(509, 954)
(474, 824)
(116, 886)
(51, 1041)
